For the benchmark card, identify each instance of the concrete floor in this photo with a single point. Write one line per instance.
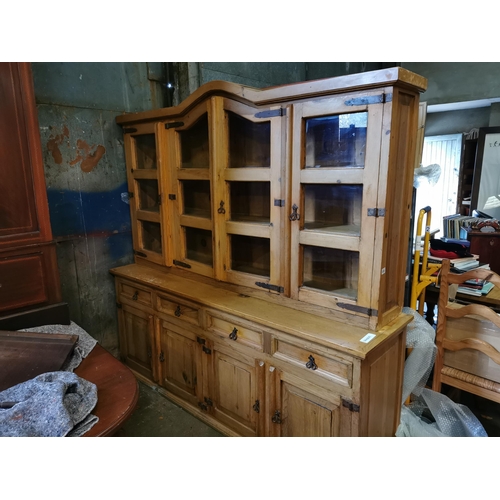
(156, 416)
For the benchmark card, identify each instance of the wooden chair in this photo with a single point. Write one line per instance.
(467, 339)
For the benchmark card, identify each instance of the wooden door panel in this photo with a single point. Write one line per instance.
(237, 392)
(180, 364)
(136, 340)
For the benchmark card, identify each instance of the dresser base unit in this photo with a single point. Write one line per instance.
(249, 367)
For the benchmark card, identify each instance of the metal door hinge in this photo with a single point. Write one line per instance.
(376, 212)
(350, 405)
(271, 113)
(355, 308)
(372, 99)
(268, 286)
(206, 350)
(181, 264)
(279, 203)
(174, 125)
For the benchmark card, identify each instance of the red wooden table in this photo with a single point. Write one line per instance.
(117, 390)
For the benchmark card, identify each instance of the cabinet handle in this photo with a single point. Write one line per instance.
(311, 364)
(162, 357)
(294, 215)
(136, 294)
(178, 311)
(203, 406)
(234, 334)
(221, 209)
(276, 417)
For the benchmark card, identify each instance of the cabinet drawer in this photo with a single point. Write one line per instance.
(235, 331)
(173, 307)
(335, 369)
(129, 292)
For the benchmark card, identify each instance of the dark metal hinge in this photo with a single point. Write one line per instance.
(174, 125)
(182, 264)
(372, 99)
(279, 203)
(129, 130)
(206, 350)
(350, 405)
(200, 340)
(355, 308)
(140, 254)
(268, 286)
(271, 113)
(376, 212)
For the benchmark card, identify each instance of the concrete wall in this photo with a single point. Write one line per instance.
(86, 178)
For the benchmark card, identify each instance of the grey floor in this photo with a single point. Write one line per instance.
(156, 416)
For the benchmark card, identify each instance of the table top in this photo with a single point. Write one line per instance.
(492, 299)
(117, 390)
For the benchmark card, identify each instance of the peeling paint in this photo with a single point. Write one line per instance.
(53, 145)
(88, 159)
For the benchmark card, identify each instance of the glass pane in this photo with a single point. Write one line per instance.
(151, 236)
(145, 151)
(250, 255)
(331, 270)
(194, 145)
(333, 208)
(148, 195)
(336, 141)
(199, 245)
(249, 142)
(196, 196)
(250, 201)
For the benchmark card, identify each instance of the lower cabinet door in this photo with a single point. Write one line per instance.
(180, 364)
(237, 391)
(137, 340)
(299, 409)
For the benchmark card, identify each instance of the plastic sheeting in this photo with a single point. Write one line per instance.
(429, 414)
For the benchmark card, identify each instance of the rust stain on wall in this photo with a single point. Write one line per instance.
(89, 159)
(54, 143)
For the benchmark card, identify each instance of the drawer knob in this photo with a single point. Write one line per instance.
(178, 311)
(311, 364)
(234, 334)
(136, 294)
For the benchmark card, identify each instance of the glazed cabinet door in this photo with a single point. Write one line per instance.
(186, 144)
(236, 390)
(137, 340)
(335, 170)
(145, 192)
(300, 409)
(180, 362)
(249, 195)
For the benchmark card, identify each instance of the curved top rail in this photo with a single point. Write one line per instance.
(284, 93)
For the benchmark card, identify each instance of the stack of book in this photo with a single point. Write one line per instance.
(460, 264)
(475, 287)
